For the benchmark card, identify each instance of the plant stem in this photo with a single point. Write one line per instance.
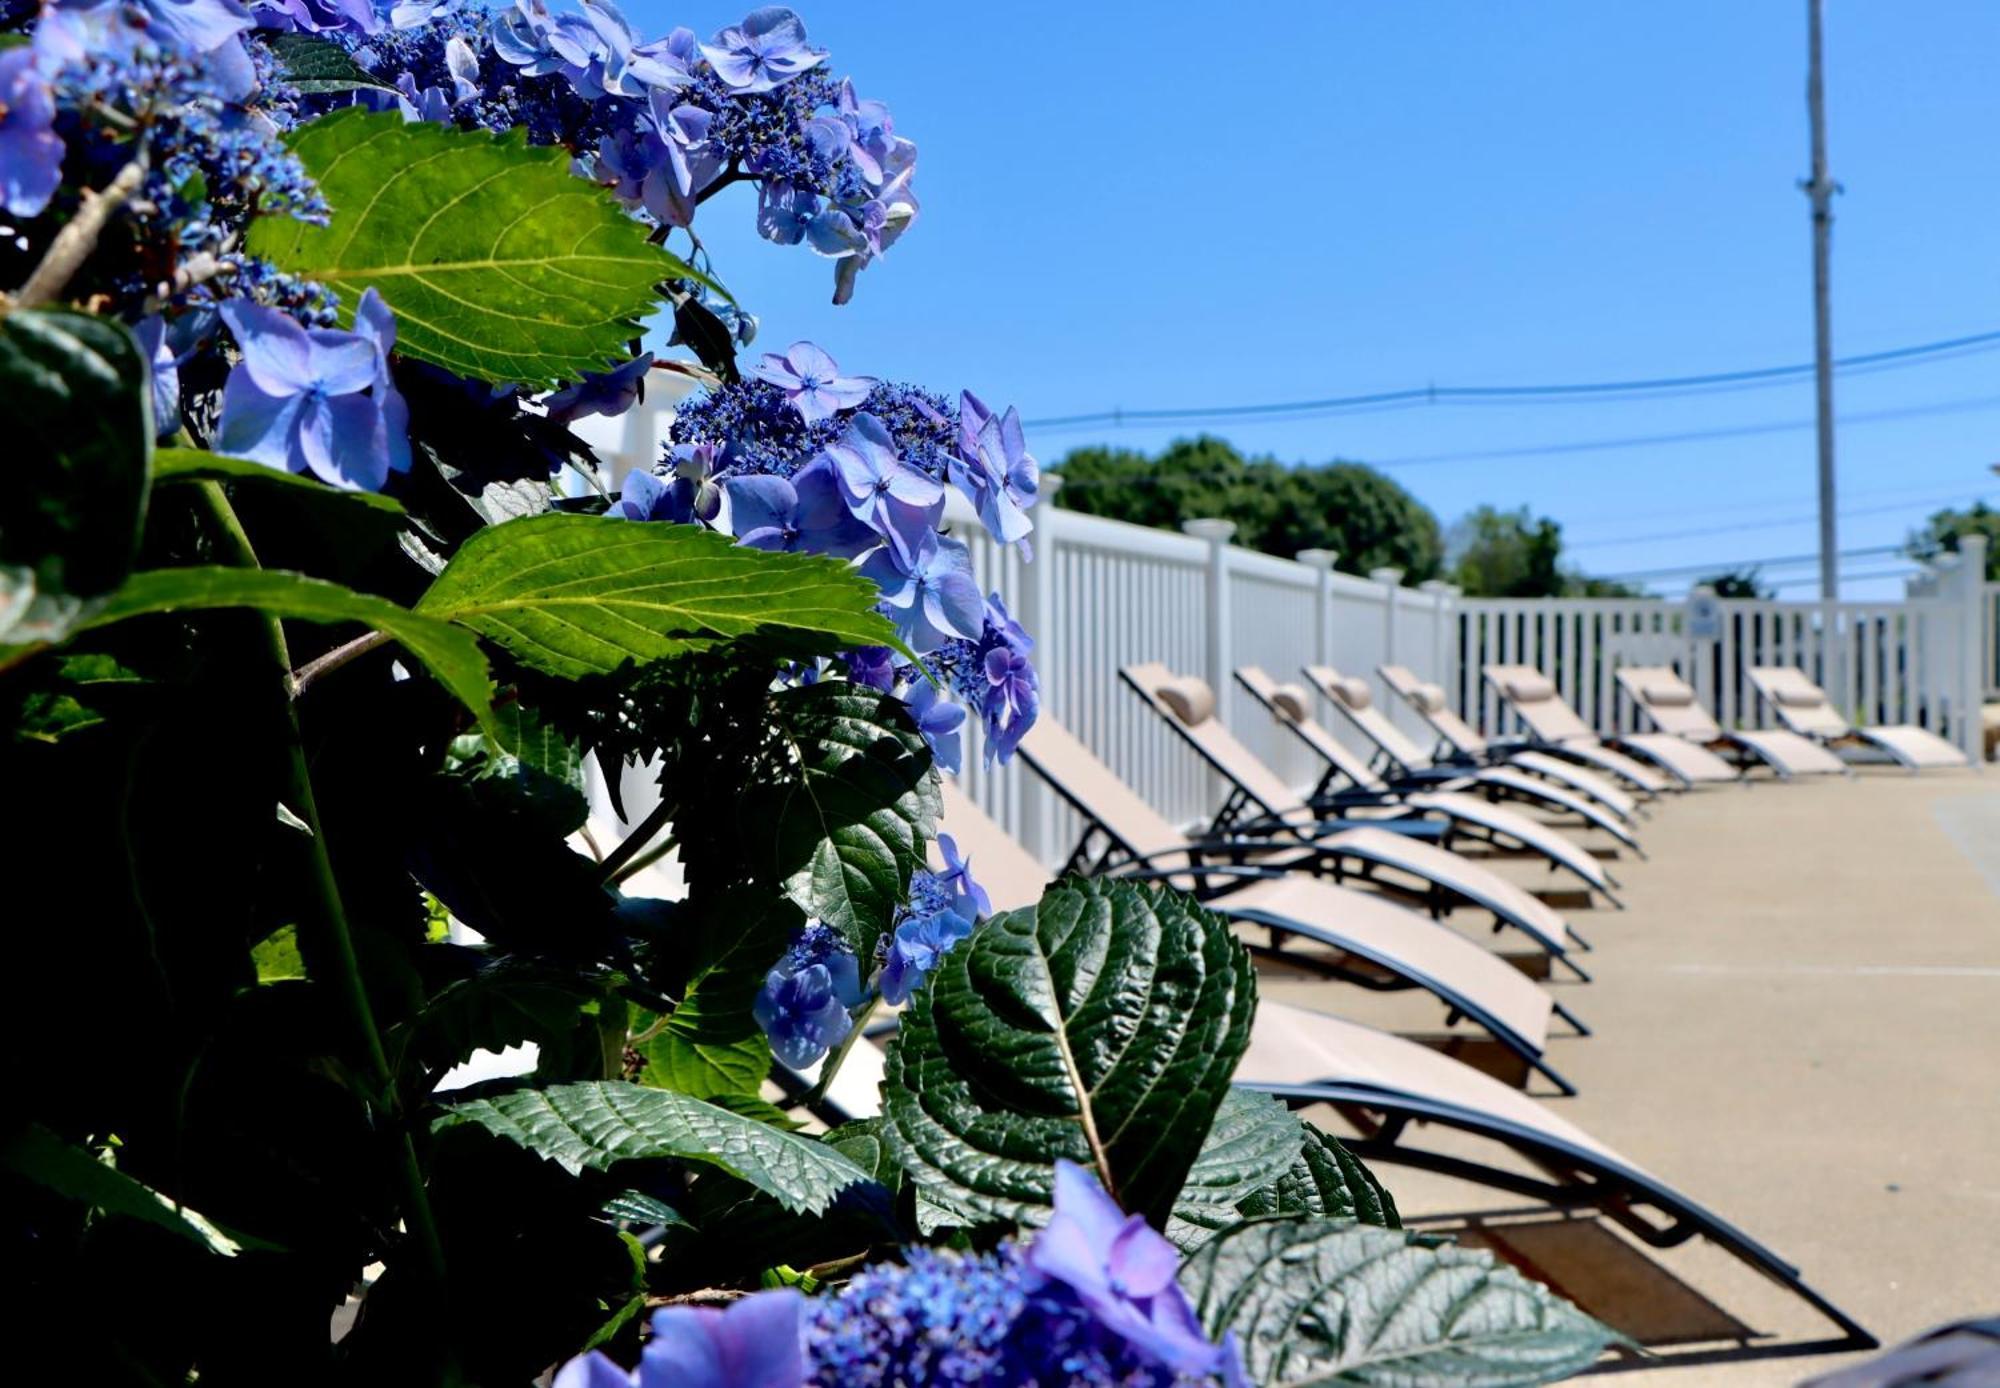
(839, 1056)
(298, 679)
(74, 243)
(342, 959)
(660, 816)
(648, 858)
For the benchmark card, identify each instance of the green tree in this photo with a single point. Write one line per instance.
(1738, 583)
(1515, 554)
(1278, 508)
(1945, 529)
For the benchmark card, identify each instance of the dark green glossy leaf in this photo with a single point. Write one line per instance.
(849, 804)
(450, 654)
(194, 465)
(1101, 1026)
(1254, 1141)
(504, 1004)
(316, 66)
(76, 413)
(39, 1155)
(1328, 1180)
(637, 1207)
(1323, 1301)
(499, 263)
(598, 1124)
(583, 595)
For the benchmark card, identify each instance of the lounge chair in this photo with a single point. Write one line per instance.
(1670, 702)
(1121, 829)
(1803, 707)
(1390, 1092)
(1469, 814)
(1599, 806)
(1387, 1088)
(1459, 743)
(1554, 724)
(1363, 937)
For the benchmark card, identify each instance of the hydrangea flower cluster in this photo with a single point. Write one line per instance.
(1091, 1299)
(665, 124)
(815, 460)
(808, 1002)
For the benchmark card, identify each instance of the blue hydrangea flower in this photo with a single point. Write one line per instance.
(939, 720)
(811, 380)
(756, 1342)
(915, 949)
(328, 16)
(299, 400)
(805, 1004)
(873, 667)
(804, 512)
(1123, 1271)
(893, 499)
(930, 596)
(151, 334)
(967, 897)
(608, 393)
(768, 48)
(31, 153)
(373, 321)
(995, 470)
(1013, 689)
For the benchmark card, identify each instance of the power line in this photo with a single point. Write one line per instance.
(1759, 524)
(1718, 566)
(1546, 450)
(1436, 394)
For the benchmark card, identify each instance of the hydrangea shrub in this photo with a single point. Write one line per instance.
(314, 612)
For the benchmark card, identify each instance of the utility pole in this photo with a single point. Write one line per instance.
(1820, 190)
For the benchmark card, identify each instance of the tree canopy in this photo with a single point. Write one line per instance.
(1943, 531)
(1349, 508)
(1515, 554)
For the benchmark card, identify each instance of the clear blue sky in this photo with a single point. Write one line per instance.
(1170, 204)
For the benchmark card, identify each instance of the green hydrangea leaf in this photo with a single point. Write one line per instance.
(583, 595)
(1101, 1026)
(499, 263)
(600, 1123)
(1325, 1301)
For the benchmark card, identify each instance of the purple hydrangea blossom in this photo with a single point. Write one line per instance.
(939, 721)
(31, 153)
(811, 380)
(373, 321)
(994, 468)
(804, 512)
(687, 493)
(930, 596)
(1013, 689)
(806, 1002)
(1123, 1271)
(767, 49)
(756, 1342)
(327, 16)
(151, 335)
(300, 400)
(915, 949)
(893, 499)
(966, 896)
(609, 393)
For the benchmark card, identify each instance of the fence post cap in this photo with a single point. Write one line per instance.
(1388, 576)
(1216, 532)
(1437, 586)
(1048, 484)
(1318, 558)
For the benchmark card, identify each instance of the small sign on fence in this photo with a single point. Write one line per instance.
(1704, 617)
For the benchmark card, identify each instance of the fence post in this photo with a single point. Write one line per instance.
(1441, 594)
(1322, 560)
(1216, 533)
(1391, 579)
(1972, 646)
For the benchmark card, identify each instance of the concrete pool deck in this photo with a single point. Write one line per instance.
(1797, 1023)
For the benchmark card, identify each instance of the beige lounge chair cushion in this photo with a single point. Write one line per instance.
(1292, 702)
(1528, 688)
(1429, 698)
(1350, 691)
(1667, 695)
(1189, 699)
(1792, 696)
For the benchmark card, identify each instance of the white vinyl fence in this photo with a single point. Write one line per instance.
(1100, 594)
